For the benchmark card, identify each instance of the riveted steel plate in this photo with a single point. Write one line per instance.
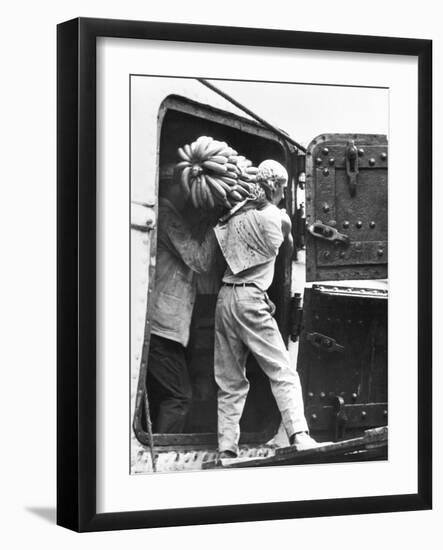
(360, 215)
(372, 252)
(358, 416)
(357, 320)
(370, 156)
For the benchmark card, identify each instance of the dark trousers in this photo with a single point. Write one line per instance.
(168, 385)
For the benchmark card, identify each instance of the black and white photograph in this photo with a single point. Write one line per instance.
(245, 345)
(259, 274)
(207, 341)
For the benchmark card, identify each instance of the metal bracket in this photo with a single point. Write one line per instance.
(341, 418)
(351, 162)
(295, 316)
(328, 233)
(324, 342)
(142, 216)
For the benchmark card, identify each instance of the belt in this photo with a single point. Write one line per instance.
(239, 284)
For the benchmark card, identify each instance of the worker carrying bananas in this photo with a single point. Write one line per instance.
(181, 256)
(250, 240)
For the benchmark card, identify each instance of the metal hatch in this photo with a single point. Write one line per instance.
(346, 207)
(343, 361)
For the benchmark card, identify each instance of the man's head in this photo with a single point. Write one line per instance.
(272, 178)
(169, 186)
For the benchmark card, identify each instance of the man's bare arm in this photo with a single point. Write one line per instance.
(286, 227)
(286, 224)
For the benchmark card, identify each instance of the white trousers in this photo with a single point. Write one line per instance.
(243, 324)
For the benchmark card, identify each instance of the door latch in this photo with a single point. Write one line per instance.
(324, 342)
(328, 233)
(351, 161)
(341, 418)
(295, 317)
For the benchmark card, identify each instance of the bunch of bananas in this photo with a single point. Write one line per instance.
(213, 174)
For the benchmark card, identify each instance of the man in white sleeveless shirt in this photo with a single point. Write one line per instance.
(244, 321)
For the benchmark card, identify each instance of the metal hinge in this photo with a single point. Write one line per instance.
(351, 163)
(295, 317)
(142, 216)
(341, 419)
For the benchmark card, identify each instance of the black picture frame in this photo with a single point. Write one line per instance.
(76, 279)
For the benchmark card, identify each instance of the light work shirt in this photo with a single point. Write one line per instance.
(179, 259)
(259, 232)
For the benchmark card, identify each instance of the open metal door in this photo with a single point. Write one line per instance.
(342, 359)
(346, 207)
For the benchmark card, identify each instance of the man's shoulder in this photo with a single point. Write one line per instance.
(166, 206)
(169, 216)
(270, 210)
(268, 221)
(269, 215)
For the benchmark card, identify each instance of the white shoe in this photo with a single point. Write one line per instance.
(303, 441)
